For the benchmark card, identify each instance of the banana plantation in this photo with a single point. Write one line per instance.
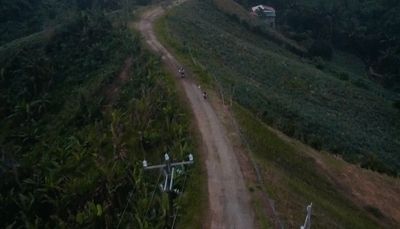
(71, 147)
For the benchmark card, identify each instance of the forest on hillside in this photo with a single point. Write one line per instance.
(368, 28)
(72, 135)
(20, 18)
(330, 105)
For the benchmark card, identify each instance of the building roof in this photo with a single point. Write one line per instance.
(263, 8)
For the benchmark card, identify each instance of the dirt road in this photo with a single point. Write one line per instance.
(229, 200)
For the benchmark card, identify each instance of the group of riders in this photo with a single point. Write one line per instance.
(182, 74)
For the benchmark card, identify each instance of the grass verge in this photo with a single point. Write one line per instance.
(293, 180)
(195, 199)
(292, 177)
(327, 108)
(183, 55)
(194, 202)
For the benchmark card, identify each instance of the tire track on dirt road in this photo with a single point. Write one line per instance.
(229, 199)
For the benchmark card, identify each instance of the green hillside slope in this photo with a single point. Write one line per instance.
(366, 28)
(73, 131)
(20, 18)
(327, 106)
(293, 179)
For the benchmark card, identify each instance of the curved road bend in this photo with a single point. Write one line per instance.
(229, 200)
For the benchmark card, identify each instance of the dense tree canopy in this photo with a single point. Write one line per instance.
(72, 134)
(368, 28)
(19, 18)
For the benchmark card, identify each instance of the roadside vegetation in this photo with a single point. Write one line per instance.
(293, 180)
(367, 29)
(329, 105)
(246, 66)
(21, 18)
(74, 130)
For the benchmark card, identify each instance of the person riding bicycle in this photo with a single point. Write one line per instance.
(182, 72)
(204, 94)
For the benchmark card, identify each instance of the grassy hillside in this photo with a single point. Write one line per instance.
(73, 130)
(368, 29)
(23, 17)
(20, 18)
(325, 105)
(293, 180)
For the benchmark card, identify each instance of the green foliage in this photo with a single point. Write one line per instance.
(396, 104)
(353, 117)
(319, 63)
(293, 179)
(368, 29)
(322, 49)
(258, 27)
(23, 17)
(20, 18)
(70, 159)
(372, 162)
(343, 76)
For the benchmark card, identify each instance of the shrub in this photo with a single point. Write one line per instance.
(314, 141)
(318, 63)
(257, 29)
(372, 162)
(360, 83)
(321, 48)
(374, 211)
(299, 37)
(283, 89)
(245, 24)
(71, 167)
(344, 76)
(233, 17)
(396, 104)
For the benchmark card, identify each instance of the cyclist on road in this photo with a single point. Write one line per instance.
(182, 72)
(205, 95)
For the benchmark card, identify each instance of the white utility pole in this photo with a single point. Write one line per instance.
(168, 170)
(307, 222)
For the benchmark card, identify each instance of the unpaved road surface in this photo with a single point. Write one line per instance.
(229, 200)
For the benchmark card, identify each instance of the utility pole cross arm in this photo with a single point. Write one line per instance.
(154, 167)
(168, 170)
(182, 163)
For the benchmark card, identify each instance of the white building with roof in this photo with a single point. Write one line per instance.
(266, 13)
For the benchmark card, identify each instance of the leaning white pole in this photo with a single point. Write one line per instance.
(307, 222)
(172, 179)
